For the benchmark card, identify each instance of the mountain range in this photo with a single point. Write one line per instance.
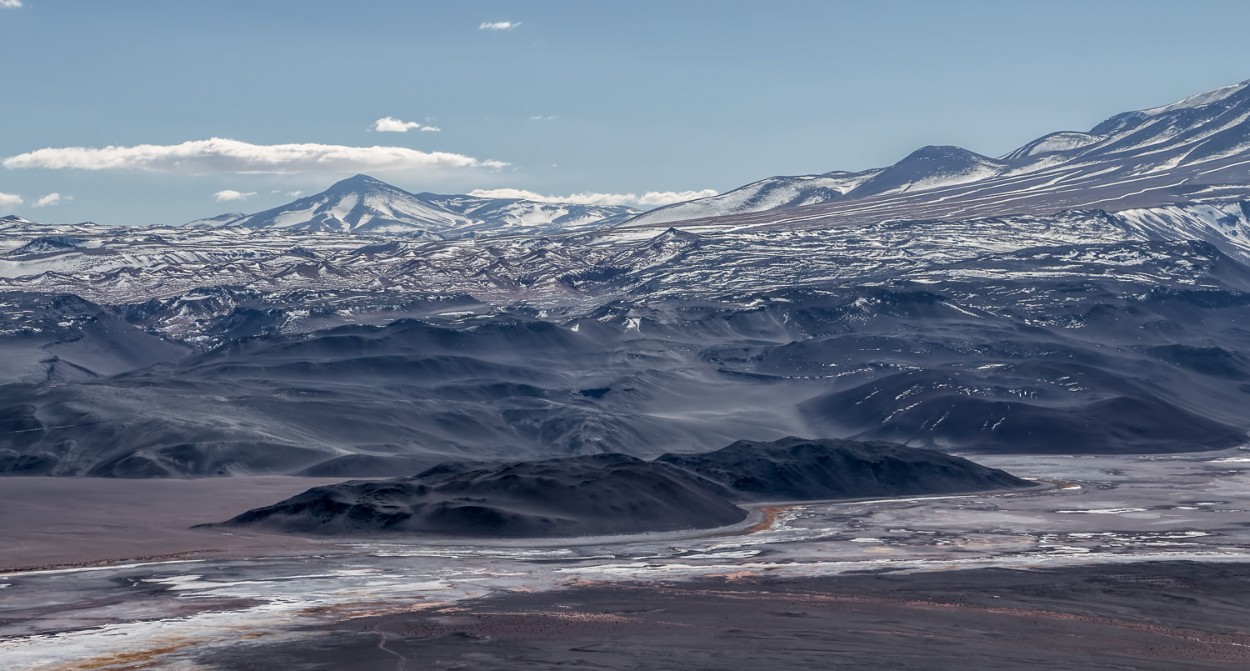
(1085, 294)
(1194, 150)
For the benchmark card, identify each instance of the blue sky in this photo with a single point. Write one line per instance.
(576, 98)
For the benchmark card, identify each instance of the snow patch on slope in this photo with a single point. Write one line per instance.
(766, 194)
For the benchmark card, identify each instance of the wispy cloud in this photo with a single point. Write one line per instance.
(499, 25)
(389, 124)
(10, 199)
(217, 155)
(10, 4)
(231, 194)
(658, 198)
(52, 199)
(540, 117)
(648, 199)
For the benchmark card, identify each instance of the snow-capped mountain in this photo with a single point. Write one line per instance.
(364, 205)
(13, 220)
(930, 168)
(359, 204)
(1195, 149)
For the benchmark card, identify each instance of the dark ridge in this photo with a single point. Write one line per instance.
(618, 494)
(365, 466)
(795, 469)
(976, 414)
(576, 496)
(1213, 361)
(55, 243)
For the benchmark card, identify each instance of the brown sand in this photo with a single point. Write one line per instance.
(55, 522)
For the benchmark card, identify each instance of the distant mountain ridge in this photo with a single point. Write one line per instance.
(365, 205)
(1179, 153)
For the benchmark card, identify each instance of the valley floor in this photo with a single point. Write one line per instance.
(63, 522)
(1165, 615)
(1128, 562)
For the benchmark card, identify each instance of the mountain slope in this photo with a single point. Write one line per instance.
(516, 215)
(766, 194)
(1194, 150)
(224, 219)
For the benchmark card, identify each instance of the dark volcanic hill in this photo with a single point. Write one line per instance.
(577, 496)
(618, 494)
(795, 469)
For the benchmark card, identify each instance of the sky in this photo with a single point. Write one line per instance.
(150, 111)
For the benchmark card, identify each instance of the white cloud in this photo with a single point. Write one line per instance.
(217, 155)
(10, 4)
(648, 199)
(231, 194)
(10, 199)
(294, 194)
(658, 198)
(390, 124)
(540, 117)
(499, 25)
(52, 199)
